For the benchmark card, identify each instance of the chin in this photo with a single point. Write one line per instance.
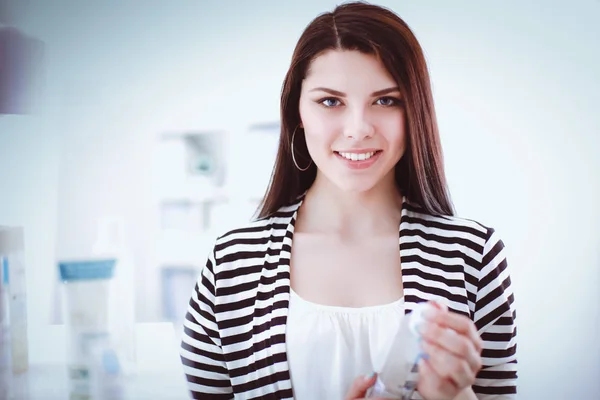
(355, 186)
(353, 182)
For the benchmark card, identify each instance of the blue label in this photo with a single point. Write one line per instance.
(86, 270)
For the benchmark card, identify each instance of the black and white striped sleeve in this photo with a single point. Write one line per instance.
(201, 354)
(495, 320)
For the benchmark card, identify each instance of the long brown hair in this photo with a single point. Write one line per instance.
(378, 31)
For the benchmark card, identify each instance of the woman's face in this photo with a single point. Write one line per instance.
(353, 119)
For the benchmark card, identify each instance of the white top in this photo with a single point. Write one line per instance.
(328, 346)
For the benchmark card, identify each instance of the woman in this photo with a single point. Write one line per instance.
(355, 229)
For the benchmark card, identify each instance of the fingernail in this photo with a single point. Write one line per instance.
(370, 376)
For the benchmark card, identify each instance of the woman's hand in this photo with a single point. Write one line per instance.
(359, 387)
(453, 349)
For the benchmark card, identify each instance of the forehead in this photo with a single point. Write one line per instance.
(346, 70)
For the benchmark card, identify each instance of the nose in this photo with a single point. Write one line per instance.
(358, 125)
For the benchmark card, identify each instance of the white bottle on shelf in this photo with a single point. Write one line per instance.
(11, 246)
(14, 350)
(87, 286)
(111, 243)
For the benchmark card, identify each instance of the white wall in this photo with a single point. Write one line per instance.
(516, 92)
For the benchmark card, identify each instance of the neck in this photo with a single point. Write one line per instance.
(330, 210)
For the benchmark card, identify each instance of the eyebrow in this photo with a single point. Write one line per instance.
(342, 94)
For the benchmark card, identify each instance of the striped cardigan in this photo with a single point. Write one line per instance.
(233, 345)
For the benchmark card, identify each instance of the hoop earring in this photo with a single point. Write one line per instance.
(294, 157)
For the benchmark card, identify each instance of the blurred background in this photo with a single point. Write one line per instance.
(155, 124)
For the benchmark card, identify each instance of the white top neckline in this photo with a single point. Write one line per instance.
(300, 301)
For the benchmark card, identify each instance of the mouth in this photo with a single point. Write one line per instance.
(358, 155)
(358, 159)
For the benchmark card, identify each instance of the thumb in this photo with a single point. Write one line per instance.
(359, 387)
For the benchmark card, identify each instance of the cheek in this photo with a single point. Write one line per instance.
(318, 140)
(396, 135)
(320, 134)
(399, 141)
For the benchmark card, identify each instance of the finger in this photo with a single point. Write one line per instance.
(450, 340)
(438, 305)
(360, 386)
(456, 322)
(431, 385)
(448, 366)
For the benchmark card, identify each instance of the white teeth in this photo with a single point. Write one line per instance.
(357, 157)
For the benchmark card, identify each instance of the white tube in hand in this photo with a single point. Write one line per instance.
(401, 358)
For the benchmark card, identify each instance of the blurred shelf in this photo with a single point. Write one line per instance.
(273, 127)
(159, 373)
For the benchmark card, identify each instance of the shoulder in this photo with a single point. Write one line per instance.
(447, 225)
(466, 235)
(252, 240)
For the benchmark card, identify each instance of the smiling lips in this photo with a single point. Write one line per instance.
(357, 156)
(359, 159)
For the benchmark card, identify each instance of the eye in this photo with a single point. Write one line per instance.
(329, 102)
(388, 101)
